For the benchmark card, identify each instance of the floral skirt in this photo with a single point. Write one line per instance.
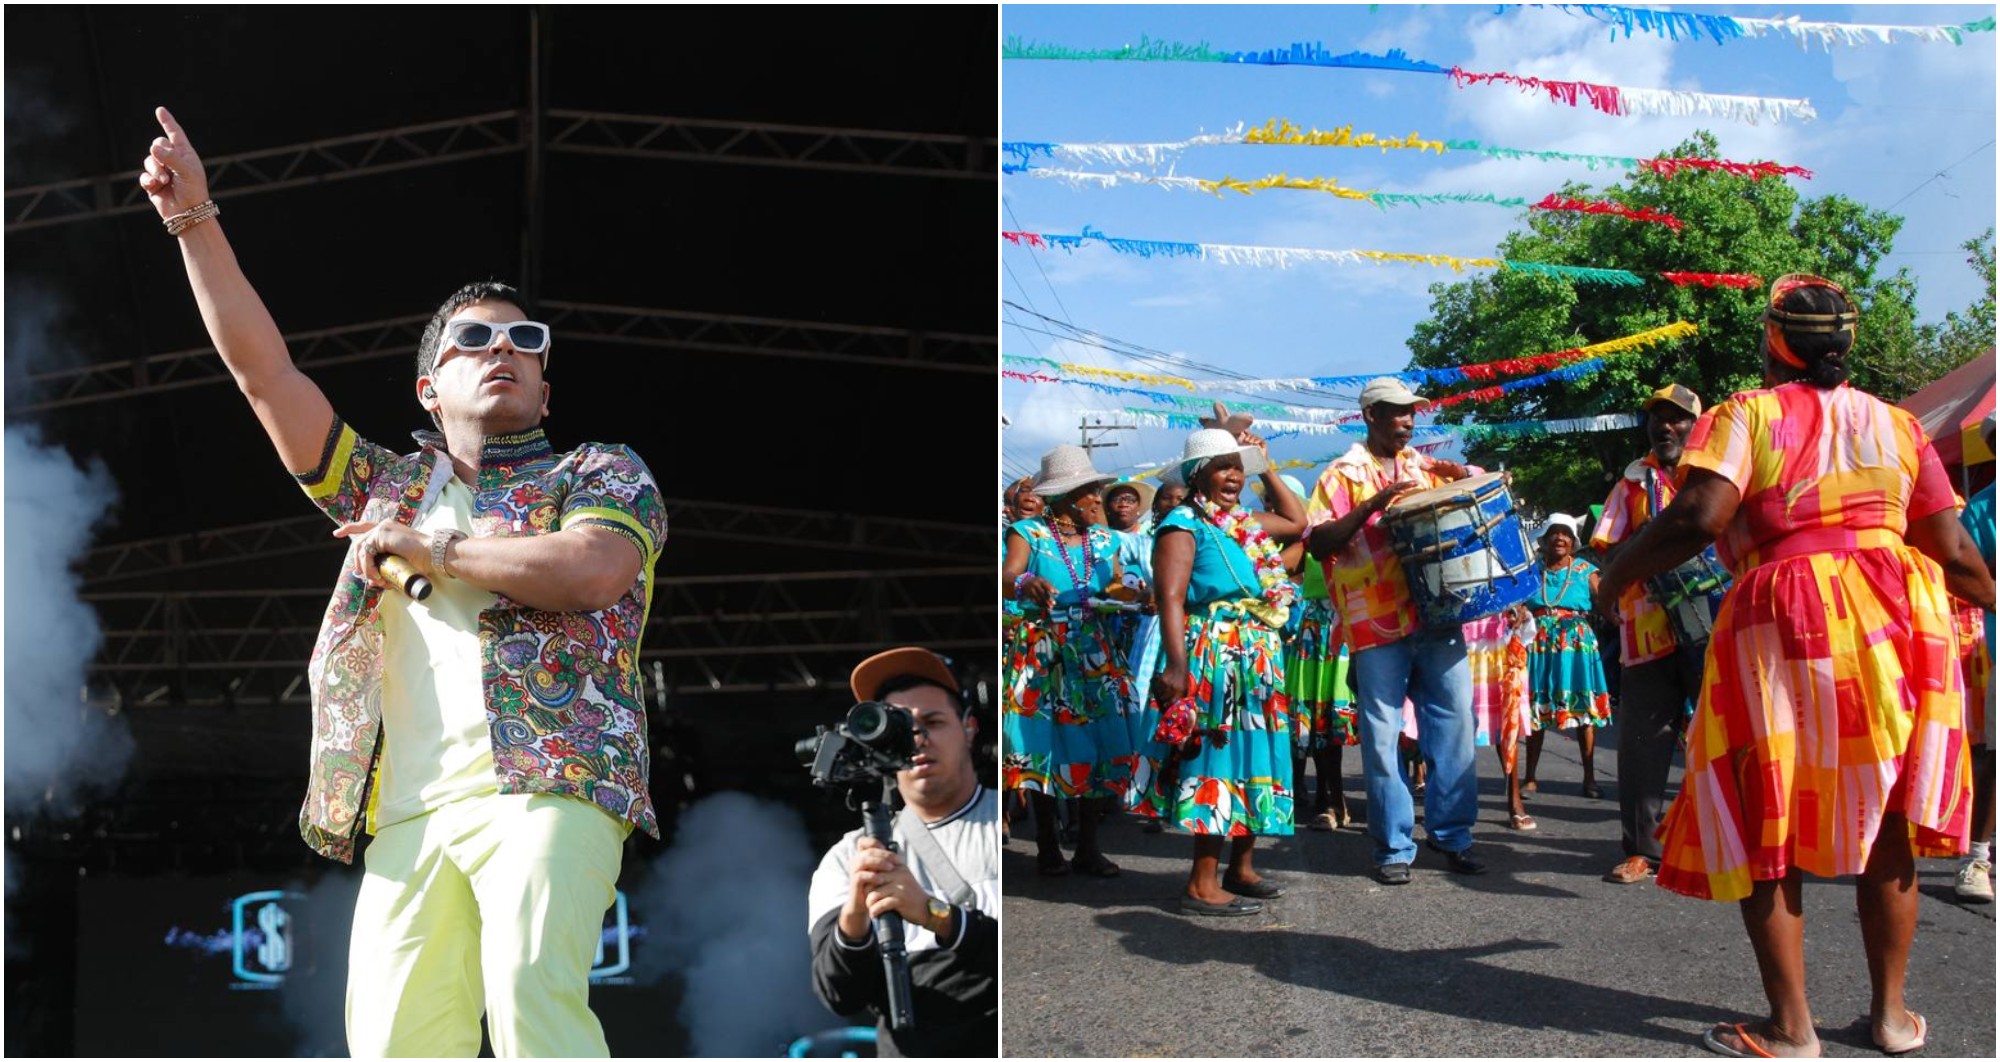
(1240, 782)
(1064, 730)
(1831, 697)
(1323, 711)
(1566, 673)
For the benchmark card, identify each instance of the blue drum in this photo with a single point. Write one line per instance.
(1463, 549)
(1691, 595)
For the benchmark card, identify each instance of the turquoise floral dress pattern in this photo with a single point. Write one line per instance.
(1067, 689)
(1239, 783)
(1566, 682)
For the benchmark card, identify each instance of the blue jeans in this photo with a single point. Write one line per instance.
(1428, 667)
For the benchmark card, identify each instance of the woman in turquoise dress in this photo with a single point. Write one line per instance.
(1221, 761)
(1565, 668)
(1066, 687)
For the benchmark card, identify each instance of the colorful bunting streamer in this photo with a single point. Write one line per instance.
(1286, 257)
(1332, 186)
(1147, 418)
(1279, 131)
(1675, 25)
(1610, 99)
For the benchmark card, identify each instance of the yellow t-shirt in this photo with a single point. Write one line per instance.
(436, 746)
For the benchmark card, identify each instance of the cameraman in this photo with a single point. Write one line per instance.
(946, 884)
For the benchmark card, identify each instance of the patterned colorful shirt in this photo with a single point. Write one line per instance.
(563, 697)
(1832, 469)
(1365, 580)
(1644, 633)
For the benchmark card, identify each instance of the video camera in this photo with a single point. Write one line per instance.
(875, 742)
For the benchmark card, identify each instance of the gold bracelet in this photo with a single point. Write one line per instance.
(191, 217)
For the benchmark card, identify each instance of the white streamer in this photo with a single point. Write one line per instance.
(1752, 110)
(1830, 33)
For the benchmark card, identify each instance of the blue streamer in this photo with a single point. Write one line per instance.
(1316, 55)
(1673, 25)
(1028, 150)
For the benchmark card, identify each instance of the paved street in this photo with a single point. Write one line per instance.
(1537, 957)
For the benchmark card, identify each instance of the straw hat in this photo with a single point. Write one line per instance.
(1210, 443)
(1066, 468)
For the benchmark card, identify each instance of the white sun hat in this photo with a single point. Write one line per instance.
(1562, 520)
(1066, 468)
(1210, 443)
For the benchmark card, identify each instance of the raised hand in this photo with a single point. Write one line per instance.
(173, 176)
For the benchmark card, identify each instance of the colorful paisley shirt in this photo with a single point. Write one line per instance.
(563, 696)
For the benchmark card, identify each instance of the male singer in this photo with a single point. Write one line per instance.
(492, 737)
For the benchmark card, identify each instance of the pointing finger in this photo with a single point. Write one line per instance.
(173, 128)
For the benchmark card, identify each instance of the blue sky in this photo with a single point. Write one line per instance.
(1889, 117)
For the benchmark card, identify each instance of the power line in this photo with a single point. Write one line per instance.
(1937, 175)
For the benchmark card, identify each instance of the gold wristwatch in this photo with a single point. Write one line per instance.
(940, 915)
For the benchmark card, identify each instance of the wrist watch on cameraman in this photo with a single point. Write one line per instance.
(938, 916)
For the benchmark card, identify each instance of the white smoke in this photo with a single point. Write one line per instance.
(58, 748)
(722, 910)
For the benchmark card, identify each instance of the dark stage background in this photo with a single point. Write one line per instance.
(764, 239)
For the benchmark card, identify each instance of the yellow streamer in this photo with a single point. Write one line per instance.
(1120, 374)
(1279, 131)
(1279, 180)
(1456, 264)
(1677, 330)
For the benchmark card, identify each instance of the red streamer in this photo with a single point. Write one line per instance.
(1032, 239)
(1028, 377)
(1756, 171)
(1711, 280)
(1597, 206)
(1602, 97)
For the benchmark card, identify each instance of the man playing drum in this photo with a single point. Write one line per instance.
(1393, 655)
(1661, 672)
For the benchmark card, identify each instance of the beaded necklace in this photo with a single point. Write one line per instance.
(1569, 576)
(1089, 563)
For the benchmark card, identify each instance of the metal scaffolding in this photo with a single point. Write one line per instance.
(706, 634)
(504, 132)
(398, 337)
(932, 540)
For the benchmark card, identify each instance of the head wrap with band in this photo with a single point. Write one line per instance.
(1778, 321)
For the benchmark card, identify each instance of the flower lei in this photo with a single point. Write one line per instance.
(1241, 526)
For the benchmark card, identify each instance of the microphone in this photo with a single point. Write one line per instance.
(403, 577)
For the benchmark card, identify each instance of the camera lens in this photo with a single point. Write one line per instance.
(883, 727)
(807, 750)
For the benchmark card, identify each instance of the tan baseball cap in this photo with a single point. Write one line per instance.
(1674, 395)
(871, 674)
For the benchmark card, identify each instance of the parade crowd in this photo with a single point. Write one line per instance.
(1784, 591)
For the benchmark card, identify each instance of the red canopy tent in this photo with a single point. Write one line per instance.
(1950, 409)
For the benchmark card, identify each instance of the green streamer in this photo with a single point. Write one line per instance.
(1386, 198)
(1593, 161)
(1984, 25)
(1581, 274)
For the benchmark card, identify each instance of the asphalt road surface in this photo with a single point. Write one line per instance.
(1537, 957)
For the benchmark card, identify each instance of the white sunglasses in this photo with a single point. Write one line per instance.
(476, 337)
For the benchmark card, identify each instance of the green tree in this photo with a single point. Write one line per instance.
(1729, 225)
(1960, 337)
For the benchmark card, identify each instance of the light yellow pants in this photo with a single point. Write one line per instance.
(490, 904)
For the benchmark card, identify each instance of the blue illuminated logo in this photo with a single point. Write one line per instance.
(261, 937)
(614, 945)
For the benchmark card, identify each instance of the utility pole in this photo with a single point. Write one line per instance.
(1085, 427)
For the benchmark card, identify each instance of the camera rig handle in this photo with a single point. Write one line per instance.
(878, 822)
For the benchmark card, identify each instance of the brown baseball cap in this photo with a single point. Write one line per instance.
(871, 674)
(1674, 395)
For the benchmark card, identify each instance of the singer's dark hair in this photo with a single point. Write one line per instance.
(478, 291)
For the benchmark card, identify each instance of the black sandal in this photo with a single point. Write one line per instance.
(1096, 868)
(1051, 867)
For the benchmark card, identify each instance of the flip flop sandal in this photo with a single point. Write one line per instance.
(1051, 868)
(1755, 1049)
(1096, 868)
(1915, 1043)
(1591, 792)
(1521, 822)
